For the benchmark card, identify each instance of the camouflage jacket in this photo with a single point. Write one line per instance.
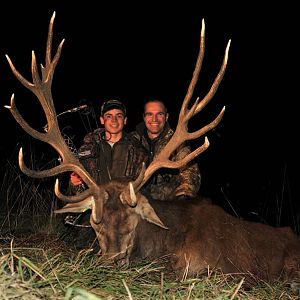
(169, 183)
(105, 162)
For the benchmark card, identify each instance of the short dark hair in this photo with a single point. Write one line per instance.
(111, 104)
(158, 101)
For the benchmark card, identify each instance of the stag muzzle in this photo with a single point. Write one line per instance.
(120, 259)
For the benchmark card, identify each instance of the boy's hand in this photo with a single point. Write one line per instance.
(75, 179)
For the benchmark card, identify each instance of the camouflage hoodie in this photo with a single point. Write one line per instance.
(105, 162)
(168, 183)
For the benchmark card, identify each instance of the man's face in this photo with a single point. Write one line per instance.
(113, 121)
(155, 118)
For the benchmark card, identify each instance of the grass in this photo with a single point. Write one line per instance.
(36, 264)
(22, 196)
(39, 273)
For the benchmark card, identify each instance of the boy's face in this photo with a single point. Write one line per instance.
(113, 121)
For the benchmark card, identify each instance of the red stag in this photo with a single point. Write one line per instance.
(197, 235)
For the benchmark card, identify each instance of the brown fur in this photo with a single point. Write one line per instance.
(200, 236)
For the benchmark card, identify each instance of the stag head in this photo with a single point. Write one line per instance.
(96, 197)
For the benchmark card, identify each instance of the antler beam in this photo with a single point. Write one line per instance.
(41, 88)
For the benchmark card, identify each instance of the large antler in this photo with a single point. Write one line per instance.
(181, 134)
(41, 87)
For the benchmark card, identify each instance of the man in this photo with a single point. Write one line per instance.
(107, 153)
(154, 133)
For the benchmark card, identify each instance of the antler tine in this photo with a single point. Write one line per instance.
(216, 83)
(186, 114)
(190, 91)
(41, 88)
(181, 134)
(49, 42)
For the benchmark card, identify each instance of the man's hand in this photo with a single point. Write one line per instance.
(75, 179)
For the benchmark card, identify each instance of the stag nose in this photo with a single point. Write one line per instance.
(119, 259)
(122, 262)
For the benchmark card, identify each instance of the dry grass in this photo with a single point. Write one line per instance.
(42, 267)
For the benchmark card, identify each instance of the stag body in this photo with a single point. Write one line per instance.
(198, 236)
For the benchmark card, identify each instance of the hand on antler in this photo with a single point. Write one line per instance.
(75, 179)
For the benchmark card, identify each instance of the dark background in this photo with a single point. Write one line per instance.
(133, 52)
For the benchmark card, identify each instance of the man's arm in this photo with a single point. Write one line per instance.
(189, 176)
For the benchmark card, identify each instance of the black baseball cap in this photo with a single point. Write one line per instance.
(111, 104)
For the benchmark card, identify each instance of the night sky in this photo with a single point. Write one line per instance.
(133, 52)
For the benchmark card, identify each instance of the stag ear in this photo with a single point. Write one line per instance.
(146, 211)
(76, 207)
